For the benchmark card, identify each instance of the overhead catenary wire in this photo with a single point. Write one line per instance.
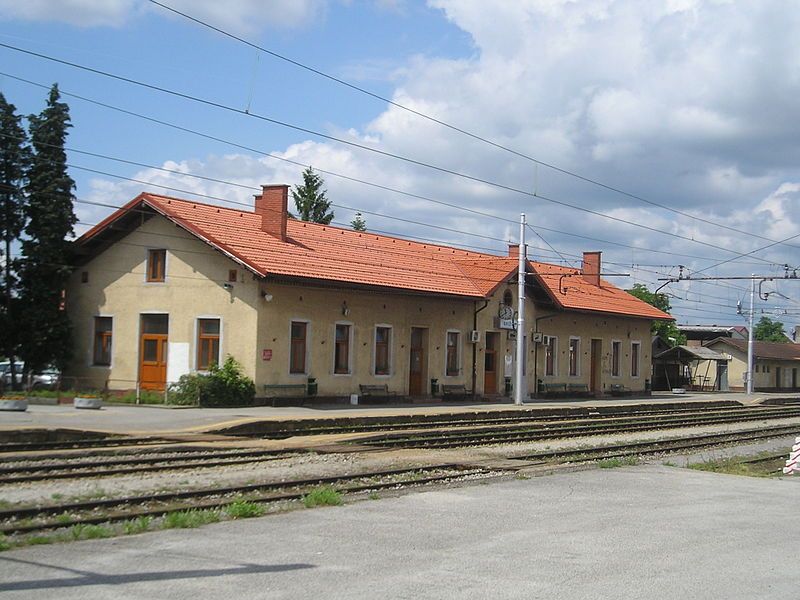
(450, 126)
(358, 145)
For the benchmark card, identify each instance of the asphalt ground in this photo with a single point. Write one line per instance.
(635, 532)
(147, 419)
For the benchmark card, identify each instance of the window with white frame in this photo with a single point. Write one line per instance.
(207, 343)
(616, 352)
(101, 356)
(383, 342)
(574, 356)
(550, 354)
(452, 354)
(636, 353)
(341, 353)
(297, 347)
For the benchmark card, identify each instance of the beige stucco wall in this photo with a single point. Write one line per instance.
(193, 289)
(737, 367)
(195, 274)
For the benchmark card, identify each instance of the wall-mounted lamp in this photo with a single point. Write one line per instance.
(266, 296)
(227, 286)
(345, 310)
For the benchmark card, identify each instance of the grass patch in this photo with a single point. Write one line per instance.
(82, 531)
(137, 525)
(374, 496)
(322, 496)
(145, 397)
(242, 509)
(63, 518)
(522, 476)
(613, 463)
(189, 519)
(4, 543)
(39, 540)
(5, 504)
(738, 465)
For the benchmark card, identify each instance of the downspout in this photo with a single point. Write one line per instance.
(536, 354)
(474, 346)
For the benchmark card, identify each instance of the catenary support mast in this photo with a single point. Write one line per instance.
(519, 383)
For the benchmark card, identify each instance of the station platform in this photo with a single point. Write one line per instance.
(156, 419)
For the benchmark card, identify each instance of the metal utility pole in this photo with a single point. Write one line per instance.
(519, 384)
(750, 337)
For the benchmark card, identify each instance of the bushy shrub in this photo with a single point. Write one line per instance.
(188, 390)
(227, 386)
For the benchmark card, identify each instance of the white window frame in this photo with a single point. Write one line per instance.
(637, 344)
(196, 340)
(554, 339)
(619, 362)
(577, 357)
(458, 352)
(307, 358)
(350, 348)
(146, 265)
(390, 353)
(110, 365)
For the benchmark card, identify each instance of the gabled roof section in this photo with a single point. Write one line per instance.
(324, 253)
(570, 291)
(763, 350)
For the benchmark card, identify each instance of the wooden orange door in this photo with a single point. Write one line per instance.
(490, 364)
(417, 363)
(153, 352)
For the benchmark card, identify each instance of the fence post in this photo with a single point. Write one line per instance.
(137, 393)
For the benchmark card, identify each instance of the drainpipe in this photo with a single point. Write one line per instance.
(536, 354)
(474, 348)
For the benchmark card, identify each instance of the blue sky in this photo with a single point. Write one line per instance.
(684, 104)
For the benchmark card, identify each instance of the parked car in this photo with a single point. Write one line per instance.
(46, 379)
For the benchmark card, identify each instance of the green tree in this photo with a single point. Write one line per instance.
(46, 249)
(14, 164)
(310, 200)
(666, 330)
(767, 330)
(358, 223)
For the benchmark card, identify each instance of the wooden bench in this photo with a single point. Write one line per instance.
(617, 389)
(552, 389)
(283, 390)
(375, 391)
(577, 388)
(454, 390)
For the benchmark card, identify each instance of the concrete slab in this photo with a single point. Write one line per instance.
(148, 420)
(638, 532)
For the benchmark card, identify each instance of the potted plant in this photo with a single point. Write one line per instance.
(13, 402)
(87, 400)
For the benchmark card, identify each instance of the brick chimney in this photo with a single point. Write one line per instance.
(513, 250)
(591, 267)
(271, 204)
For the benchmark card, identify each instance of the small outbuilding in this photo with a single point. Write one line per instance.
(692, 367)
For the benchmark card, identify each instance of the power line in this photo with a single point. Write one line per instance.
(364, 147)
(451, 126)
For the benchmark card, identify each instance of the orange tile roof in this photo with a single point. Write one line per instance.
(323, 252)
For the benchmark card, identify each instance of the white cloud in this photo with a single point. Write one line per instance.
(242, 16)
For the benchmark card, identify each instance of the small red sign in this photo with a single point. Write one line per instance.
(266, 354)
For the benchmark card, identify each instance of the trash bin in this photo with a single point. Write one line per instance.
(508, 386)
(434, 386)
(311, 387)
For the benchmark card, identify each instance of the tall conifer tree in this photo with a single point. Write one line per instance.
(46, 249)
(14, 164)
(310, 200)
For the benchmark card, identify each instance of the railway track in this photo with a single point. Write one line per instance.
(24, 520)
(30, 519)
(544, 431)
(80, 467)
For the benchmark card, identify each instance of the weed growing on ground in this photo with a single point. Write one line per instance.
(5, 504)
(63, 518)
(522, 476)
(93, 532)
(736, 466)
(613, 463)
(242, 509)
(188, 519)
(37, 540)
(57, 496)
(322, 496)
(4, 543)
(374, 496)
(137, 525)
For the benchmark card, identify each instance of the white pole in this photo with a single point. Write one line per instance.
(750, 337)
(519, 384)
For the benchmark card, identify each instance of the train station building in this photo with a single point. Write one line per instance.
(166, 286)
